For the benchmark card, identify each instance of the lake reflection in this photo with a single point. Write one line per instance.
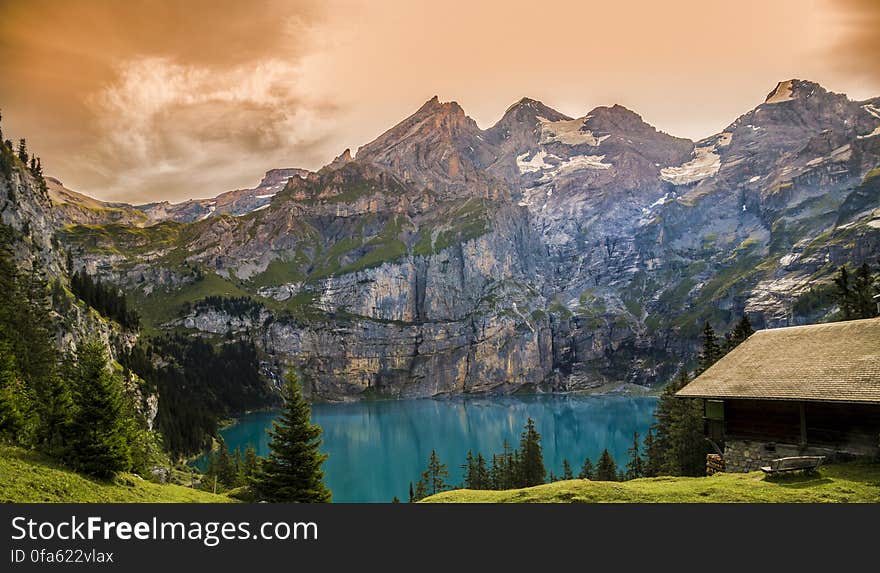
(377, 448)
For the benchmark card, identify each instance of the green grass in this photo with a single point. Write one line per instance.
(856, 482)
(161, 306)
(28, 477)
(454, 224)
(281, 271)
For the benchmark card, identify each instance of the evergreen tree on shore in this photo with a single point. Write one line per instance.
(587, 470)
(653, 455)
(476, 475)
(566, 470)
(606, 467)
(635, 466)
(531, 466)
(433, 478)
(292, 471)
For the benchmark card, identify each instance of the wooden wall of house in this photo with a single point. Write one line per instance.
(762, 420)
(843, 424)
(828, 424)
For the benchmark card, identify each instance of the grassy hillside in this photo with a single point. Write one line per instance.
(847, 483)
(29, 477)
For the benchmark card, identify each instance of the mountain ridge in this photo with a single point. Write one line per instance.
(543, 253)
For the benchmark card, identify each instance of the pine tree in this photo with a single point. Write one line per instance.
(434, 477)
(504, 472)
(740, 333)
(678, 446)
(36, 353)
(470, 471)
(224, 468)
(606, 468)
(843, 294)
(863, 293)
(14, 402)
(55, 431)
(653, 459)
(251, 462)
(292, 471)
(238, 466)
(587, 470)
(566, 470)
(420, 493)
(532, 471)
(22, 151)
(482, 473)
(710, 352)
(99, 445)
(412, 495)
(635, 466)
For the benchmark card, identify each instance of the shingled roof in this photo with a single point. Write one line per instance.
(836, 362)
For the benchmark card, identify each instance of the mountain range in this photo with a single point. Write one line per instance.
(545, 253)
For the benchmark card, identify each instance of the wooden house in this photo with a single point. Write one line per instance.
(803, 390)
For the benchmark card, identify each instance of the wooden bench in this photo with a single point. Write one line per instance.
(792, 464)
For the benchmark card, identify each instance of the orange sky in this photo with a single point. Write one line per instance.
(149, 100)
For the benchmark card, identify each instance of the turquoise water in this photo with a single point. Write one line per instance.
(377, 448)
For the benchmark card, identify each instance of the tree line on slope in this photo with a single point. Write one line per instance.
(9, 153)
(854, 293)
(71, 406)
(105, 298)
(198, 383)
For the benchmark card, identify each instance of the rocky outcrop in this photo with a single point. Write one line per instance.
(35, 217)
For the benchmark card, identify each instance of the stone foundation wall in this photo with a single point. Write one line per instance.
(742, 456)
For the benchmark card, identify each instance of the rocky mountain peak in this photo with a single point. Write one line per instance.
(438, 147)
(276, 176)
(617, 119)
(529, 110)
(435, 107)
(794, 89)
(341, 159)
(519, 127)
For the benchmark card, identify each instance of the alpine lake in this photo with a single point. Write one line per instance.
(376, 448)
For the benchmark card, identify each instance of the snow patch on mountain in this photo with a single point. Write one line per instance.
(648, 212)
(705, 163)
(536, 163)
(569, 132)
(211, 208)
(576, 163)
(874, 133)
(873, 110)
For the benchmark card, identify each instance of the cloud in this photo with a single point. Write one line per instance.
(125, 100)
(161, 99)
(161, 121)
(858, 49)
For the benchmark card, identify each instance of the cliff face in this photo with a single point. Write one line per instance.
(543, 253)
(34, 216)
